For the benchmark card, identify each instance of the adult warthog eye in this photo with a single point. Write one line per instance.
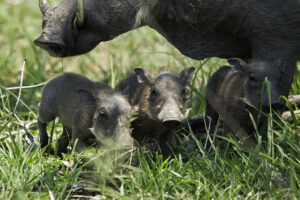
(252, 77)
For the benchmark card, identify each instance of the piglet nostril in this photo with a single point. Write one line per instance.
(171, 123)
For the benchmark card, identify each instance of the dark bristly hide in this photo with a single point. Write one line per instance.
(250, 29)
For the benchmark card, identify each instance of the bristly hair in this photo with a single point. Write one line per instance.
(144, 9)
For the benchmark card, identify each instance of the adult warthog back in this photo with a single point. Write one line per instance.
(265, 30)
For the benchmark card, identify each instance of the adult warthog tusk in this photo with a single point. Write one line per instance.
(43, 6)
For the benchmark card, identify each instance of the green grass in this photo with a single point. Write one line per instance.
(230, 172)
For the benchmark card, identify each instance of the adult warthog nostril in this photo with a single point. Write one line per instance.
(56, 48)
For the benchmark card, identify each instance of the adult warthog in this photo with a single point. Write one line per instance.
(250, 29)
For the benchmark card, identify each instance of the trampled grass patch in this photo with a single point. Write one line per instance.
(228, 171)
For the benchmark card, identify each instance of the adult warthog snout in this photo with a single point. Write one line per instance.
(61, 25)
(55, 48)
(82, 25)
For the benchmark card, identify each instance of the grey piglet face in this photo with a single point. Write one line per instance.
(167, 92)
(112, 121)
(257, 76)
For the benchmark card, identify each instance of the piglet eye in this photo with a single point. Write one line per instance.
(184, 91)
(102, 112)
(153, 91)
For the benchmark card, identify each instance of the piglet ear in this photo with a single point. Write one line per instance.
(186, 75)
(125, 92)
(143, 76)
(87, 96)
(237, 64)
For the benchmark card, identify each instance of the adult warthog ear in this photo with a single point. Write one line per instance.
(237, 64)
(143, 76)
(186, 75)
(79, 17)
